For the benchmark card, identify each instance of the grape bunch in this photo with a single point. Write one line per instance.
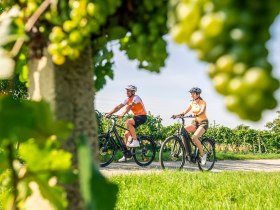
(86, 17)
(231, 36)
(146, 27)
(74, 23)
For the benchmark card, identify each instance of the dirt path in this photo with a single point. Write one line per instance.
(225, 165)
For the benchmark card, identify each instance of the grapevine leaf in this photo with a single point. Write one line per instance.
(94, 187)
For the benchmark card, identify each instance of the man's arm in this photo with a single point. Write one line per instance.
(127, 109)
(117, 108)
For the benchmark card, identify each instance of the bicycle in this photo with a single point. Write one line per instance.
(111, 142)
(177, 149)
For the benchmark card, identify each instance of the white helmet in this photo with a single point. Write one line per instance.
(131, 87)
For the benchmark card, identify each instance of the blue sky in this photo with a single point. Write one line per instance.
(166, 93)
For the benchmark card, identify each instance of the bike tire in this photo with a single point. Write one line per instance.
(146, 152)
(208, 146)
(107, 150)
(172, 153)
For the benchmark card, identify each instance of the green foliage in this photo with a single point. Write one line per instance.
(22, 120)
(274, 126)
(1, 8)
(97, 192)
(176, 190)
(102, 62)
(19, 91)
(245, 139)
(245, 156)
(22, 127)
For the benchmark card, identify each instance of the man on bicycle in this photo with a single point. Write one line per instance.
(134, 103)
(200, 122)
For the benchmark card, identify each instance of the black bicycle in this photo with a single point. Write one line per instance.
(176, 149)
(111, 142)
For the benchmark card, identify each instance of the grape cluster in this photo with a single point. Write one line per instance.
(74, 22)
(86, 17)
(231, 36)
(146, 27)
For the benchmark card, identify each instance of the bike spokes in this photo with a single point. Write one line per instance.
(172, 153)
(208, 148)
(145, 153)
(107, 150)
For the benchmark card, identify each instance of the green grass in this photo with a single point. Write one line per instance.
(175, 190)
(249, 156)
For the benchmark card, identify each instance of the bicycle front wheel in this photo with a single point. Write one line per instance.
(208, 146)
(172, 153)
(107, 150)
(146, 152)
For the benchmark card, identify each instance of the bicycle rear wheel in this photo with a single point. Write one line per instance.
(172, 153)
(146, 152)
(208, 146)
(107, 150)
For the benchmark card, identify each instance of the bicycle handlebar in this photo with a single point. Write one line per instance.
(181, 116)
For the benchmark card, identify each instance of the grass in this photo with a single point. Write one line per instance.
(249, 156)
(179, 190)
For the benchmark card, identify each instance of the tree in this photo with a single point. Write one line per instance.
(63, 73)
(67, 44)
(275, 124)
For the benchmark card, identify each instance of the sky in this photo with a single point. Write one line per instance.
(166, 93)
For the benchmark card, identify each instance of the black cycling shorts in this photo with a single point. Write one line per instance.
(139, 120)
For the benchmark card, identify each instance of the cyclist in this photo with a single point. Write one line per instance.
(200, 123)
(134, 103)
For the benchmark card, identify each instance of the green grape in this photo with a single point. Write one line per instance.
(212, 24)
(225, 63)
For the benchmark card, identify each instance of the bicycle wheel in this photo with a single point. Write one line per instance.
(107, 150)
(146, 152)
(208, 146)
(172, 153)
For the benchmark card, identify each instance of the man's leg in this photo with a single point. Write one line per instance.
(126, 135)
(130, 126)
(130, 123)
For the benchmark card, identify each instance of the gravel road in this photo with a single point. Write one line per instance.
(225, 165)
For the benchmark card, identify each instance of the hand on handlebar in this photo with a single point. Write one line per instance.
(107, 115)
(176, 115)
(120, 116)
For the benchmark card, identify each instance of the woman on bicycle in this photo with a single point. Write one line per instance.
(134, 103)
(200, 123)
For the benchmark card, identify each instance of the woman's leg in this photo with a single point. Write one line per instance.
(198, 133)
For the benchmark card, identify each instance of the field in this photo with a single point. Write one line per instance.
(195, 190)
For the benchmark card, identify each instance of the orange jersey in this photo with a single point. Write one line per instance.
(138, 107)
(196, 108)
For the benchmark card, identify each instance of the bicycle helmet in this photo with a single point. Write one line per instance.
(131, 87)
(195, 90)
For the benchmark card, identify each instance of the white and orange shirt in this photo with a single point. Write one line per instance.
(196, 107)
(138, 107)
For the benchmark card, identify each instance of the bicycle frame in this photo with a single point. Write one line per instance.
(187, 142)
(119, 140)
